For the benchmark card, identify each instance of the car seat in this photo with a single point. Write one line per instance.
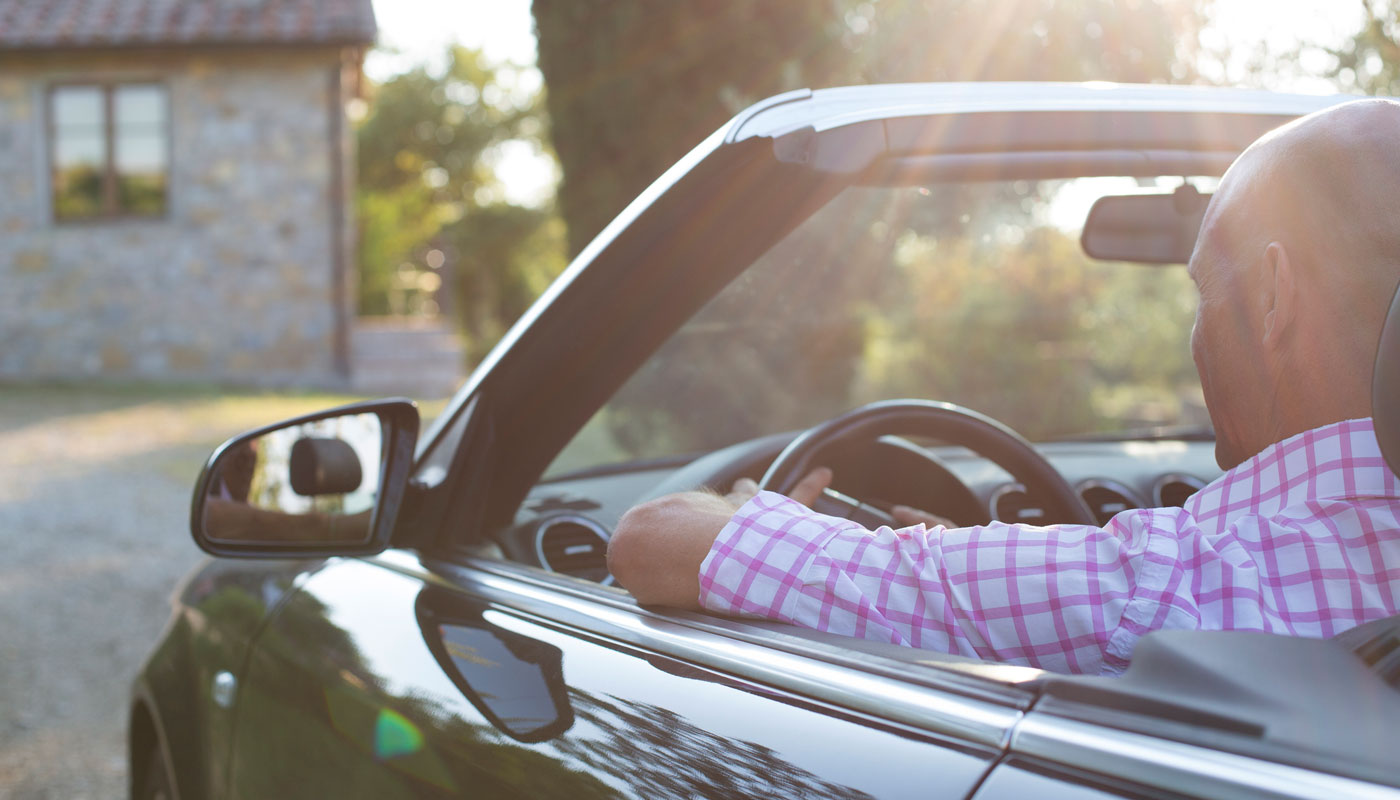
(1385, 387)
(1378, 642)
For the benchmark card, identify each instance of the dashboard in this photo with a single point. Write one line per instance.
(564, 523)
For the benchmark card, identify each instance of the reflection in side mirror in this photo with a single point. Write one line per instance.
(324, 466)
(1145, 228)
(324, 484)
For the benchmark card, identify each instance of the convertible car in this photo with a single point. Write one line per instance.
(962, 298)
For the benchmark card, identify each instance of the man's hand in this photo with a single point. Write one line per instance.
(810, 488)
(805, 492)
(658, 546)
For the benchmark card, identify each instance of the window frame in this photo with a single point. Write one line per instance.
(110, 211)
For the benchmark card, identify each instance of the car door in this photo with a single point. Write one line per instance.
(402, 677)
(1216, 714)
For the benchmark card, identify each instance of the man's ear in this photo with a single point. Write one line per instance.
(1279, 289)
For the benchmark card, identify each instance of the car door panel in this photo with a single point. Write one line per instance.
(218, 613)
(377, 683)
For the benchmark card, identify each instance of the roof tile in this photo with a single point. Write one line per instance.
(26, 24)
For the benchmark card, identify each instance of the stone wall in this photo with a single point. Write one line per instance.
(238, 283)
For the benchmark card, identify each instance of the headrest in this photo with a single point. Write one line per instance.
(1385, 387)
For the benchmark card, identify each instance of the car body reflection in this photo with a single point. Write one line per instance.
(517, 683)
(372, 682)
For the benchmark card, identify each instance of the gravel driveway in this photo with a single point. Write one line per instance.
(94, 496)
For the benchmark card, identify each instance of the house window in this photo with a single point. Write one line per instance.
(110, 147)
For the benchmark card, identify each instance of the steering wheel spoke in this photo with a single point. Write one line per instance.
(836, 504)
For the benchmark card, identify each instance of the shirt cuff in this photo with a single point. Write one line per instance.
(760, 556)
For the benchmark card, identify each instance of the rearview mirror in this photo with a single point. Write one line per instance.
(1146, 228)
(324, 484)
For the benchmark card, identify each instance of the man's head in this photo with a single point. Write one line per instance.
(1297, 259)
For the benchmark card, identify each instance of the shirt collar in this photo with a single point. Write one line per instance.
(1340, 460)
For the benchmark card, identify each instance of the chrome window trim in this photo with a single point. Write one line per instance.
(972, 721)
(1177, 766)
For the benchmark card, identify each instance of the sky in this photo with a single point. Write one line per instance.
(418, 31)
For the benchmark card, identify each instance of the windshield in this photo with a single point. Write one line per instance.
(977, 294)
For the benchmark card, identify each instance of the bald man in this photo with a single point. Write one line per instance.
(1296, 263)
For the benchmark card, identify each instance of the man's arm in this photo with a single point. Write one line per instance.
(658, 546)
(1071, 598)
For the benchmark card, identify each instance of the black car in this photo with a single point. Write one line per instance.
(391, 614)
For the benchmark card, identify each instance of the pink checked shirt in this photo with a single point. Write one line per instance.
(1302, 539)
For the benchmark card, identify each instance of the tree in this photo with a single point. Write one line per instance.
(634, 84)
(430, 202)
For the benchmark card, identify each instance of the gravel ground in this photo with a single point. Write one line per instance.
(95, 486)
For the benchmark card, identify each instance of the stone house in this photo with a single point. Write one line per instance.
(175, 188)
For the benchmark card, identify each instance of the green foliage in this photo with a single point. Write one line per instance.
(505, 255)
(1036, 334)
(635, 84)
(141, 194)
(428, 197)
(78, 193)
(396, 225)
(882, 294)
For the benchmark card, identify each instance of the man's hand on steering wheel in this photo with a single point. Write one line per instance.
(810, 488)
(805, 492)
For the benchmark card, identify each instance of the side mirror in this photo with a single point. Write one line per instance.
(1146, 228)
(329, 483)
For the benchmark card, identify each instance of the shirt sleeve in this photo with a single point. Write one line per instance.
(1070, 598)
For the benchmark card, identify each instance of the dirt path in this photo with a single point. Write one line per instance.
(94, 498)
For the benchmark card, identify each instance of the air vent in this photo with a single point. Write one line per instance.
(1010, 503)
(1107, 498)
(1175, 489)
(574, 546)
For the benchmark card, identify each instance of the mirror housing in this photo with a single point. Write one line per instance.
(1145, 228)
(323, 484)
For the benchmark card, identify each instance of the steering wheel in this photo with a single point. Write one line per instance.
(943, 421)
